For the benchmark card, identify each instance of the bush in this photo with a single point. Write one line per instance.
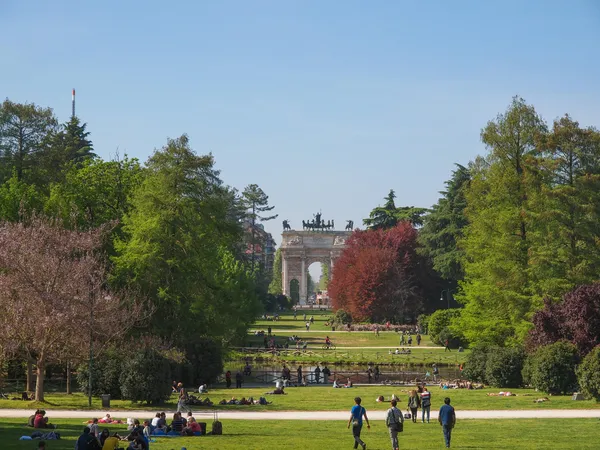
(504, 367)
(106, 371)
(551, 368)
(342, 317)
(439, 322)
(423, 323)
(588, 374)
(146, 376)
(474, 367)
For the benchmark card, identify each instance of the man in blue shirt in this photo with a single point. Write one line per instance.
(447, 419)
(356, 414)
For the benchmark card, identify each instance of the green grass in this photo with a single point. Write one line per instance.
(292, 435)
(322, 398)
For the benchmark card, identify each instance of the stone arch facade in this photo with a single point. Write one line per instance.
(299, 249)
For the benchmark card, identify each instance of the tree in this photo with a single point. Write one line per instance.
(275, 287)
(256, 202)
(443, 228)
(388, 215)
(95, 192)
(69, 145)
(564, 251)
(497, 288)
(23, 130)
(51, 280)
(324, 279)
(19, 199)
(439, 322)
(180, 245)
(588, 374)
(379, 275)
(576, 319)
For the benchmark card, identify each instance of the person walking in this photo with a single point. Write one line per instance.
(356, 420)
(418, 339)
(414, 403)
(447, 419)
(394, 421)
(317, 374)
(436, 372)
(228, 379)
(377, 372)
(447, 344)
(425, 404)
(269, 331)
(239, 379)
(299, 372)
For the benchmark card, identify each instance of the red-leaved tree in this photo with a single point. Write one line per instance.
(575, 319)
(378, 275)
(53, 295)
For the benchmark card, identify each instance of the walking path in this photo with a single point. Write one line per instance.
(316, 415)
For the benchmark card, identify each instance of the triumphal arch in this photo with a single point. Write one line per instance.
(317, 242)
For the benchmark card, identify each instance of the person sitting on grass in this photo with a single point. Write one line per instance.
(348, 384)
(192, 427)
(139, 443)
(94, 428)
(103, 436)
(111, 442)
(40, 420)
(277, 391)
(86, 441)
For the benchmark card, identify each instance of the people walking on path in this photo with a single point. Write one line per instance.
(447, 344)
(409, 340)
(377, 373)
(239, 379)
(425, 404)
(418, 339)
(447, 419)
(356, 420)
(414, 403)
(394, 421)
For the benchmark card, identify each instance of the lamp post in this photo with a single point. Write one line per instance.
(447, 291)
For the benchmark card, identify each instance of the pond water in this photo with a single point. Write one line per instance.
(270, 373)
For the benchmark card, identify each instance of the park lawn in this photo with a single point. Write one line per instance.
(291, 435)
(386, 339)
(418, 356)
(324, 398)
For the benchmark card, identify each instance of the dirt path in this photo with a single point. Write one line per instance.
(315, 415)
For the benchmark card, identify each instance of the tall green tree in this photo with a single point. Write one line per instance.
(23, 131)
(179, 249)
(497, 289)
(324, 279)
(389, 215)
(256, 202)
(565, 250)
(276, 286)
(443, 228)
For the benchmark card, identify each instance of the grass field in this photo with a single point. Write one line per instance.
(321, 398)
(292, 435)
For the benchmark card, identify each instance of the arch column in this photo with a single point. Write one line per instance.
(303, 282)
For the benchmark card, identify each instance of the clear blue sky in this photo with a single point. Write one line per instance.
(324, 104)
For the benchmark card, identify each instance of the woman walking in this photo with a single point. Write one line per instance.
(356, 416)
(414, 403)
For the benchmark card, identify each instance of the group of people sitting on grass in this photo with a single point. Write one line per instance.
(460, 384)
(39, 420)
(348, 384)
(402, 351)
(245, 401)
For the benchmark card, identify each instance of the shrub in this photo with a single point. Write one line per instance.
(474, 367)
(106, 371)
(146, 376)
(342, 317)
(440, 321)
(588, 374)
(423, 323)
(504, 366)
(551, 368)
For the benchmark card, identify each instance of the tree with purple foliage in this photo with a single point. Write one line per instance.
(575, 319)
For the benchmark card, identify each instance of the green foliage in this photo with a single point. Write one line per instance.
(443, 227)
(588, 374)
(146, 377)
(277, 302)
(179, 247)
(497, 289)
(106, 372)
(203, 363)
(551, 368)
(474, 367)
(388, 215)
(324, 279)
(439, 323)
(275, 287)
(342, 317)
(504, 366)
(19, 200)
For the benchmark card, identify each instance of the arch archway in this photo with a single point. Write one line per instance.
(299, 249)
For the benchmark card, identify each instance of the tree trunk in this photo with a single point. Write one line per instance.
(29, 376)
(39, 385)
(68, 378)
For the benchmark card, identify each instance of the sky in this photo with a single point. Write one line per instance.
(325, 104)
